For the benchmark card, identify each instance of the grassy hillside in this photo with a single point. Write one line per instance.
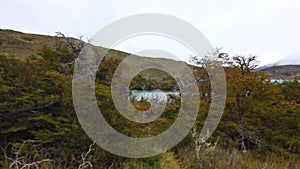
(22, 45)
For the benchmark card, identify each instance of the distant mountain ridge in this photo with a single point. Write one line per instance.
(287, 68)
(284, 72)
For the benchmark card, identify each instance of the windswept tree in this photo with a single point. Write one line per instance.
(74, 45)
(245, 63)
(216, 56)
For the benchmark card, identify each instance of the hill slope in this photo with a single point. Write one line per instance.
(286, 72)
(22, 45)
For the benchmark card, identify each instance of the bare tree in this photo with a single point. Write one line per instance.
(207, 153)
(216, 56)
(248, 135)
(245, 64)
(74, 45)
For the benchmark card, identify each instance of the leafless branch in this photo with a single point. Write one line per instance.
(16, 161)
(251, 136)
(85, 159)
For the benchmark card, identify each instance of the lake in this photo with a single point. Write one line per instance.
(158, 95)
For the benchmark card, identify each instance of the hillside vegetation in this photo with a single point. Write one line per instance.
(38, 125)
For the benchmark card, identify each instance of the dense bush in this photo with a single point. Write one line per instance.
(36, 104)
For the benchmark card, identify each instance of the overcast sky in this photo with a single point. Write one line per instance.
(267, 28)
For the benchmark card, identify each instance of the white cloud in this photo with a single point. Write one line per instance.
(262, 27)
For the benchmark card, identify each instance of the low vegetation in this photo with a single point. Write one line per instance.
(39, 129)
